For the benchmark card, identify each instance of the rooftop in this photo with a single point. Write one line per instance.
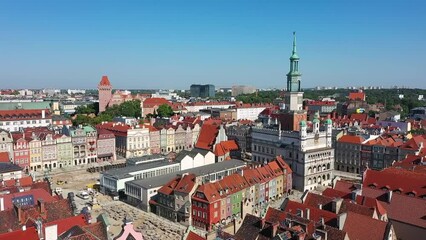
(120, 173)
(198, 171)
(9, 167)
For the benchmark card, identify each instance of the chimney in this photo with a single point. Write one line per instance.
(319, 206)
(41, 206)
(341, 218)
(308, 213)
(274, 229)
(20, 213)
(262, 223)
(336, 204)
(389, 196)
(1, 204)
(43, 113)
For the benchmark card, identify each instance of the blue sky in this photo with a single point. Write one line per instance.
(172, 44)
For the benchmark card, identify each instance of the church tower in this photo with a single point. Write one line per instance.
(293, 95)
(105, 93)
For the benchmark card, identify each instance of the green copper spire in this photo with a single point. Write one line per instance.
(294, 53)
(293, 77)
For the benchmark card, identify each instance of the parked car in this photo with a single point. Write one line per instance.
(84, 195)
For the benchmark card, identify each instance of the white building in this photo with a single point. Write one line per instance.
(6, 143)
(10, 171)
(249, 111)
(76, 91)
(197, 106)
(14, 120)
(195, 158)
(308, 153)
(113, 181)
(140, 192)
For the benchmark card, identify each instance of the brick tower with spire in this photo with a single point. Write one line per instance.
(105, 93)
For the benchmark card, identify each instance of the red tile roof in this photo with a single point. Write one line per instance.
(104, 81)
(225, 147)
(357, 96)
(4, 157)
(29, 234)
(363, 227)
(351, 139)
(35, 193)
(315, 213)
(65, 224)
(24, 114)
(362, 117)
(414, 143)
(151, 102)
(401, 207)
(314, 200)
(207, 137)
(394, 179)
(180, 183)
(193, 236)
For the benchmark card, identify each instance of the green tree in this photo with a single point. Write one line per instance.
(85, 109)
(165, 110)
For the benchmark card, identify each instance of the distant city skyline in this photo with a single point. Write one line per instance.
(171, 45)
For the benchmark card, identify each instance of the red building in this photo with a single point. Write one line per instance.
(21, 151)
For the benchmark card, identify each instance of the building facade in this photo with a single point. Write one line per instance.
(64, 148)
(202, 91)
(106, 146)
(309, 152)
(105, 93)
(6, 143)
(14, 120)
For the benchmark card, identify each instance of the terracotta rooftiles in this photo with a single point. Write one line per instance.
(104, 81)
(4, 157)
(29, 234)
(362, 227)
(351, 139)
(193, 236)
(225, 147)
(404, 181)
(207, 136)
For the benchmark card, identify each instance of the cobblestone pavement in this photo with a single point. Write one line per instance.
(151, 226)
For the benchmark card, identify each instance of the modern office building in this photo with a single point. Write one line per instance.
(202, 91)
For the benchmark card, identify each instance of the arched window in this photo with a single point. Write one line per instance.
(319, 169)
(309, 181)
(309, 170)
(328, 176)
(328, 165)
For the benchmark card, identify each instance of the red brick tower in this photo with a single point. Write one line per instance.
(105, 93)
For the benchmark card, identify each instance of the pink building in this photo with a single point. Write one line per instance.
(105, 93)
(21, 151)
(106, 146)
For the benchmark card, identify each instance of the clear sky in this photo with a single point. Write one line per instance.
(172, 44)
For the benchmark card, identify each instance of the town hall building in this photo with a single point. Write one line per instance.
(305, 146)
